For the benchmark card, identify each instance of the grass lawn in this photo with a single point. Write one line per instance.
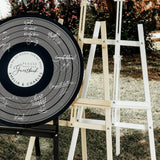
(134, 144)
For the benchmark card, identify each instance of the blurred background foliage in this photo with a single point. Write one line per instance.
(134, 12)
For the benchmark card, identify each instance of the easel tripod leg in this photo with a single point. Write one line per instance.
(117, 70)
(84, 144)
(37, 147)
(73, 143)
(151, 135)
(84, 141)
(30, 148)
(147, 92)
(56, 140)
(117, 133)
(108, 134)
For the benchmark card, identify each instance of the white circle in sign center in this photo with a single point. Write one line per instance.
(25, 69)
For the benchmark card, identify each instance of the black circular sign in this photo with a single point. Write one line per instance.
(41, 70)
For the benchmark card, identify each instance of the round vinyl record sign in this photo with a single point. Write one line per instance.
(41, 70)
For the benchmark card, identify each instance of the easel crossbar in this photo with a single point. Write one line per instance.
(93, 41)
(92, 103)
(111, 42)
(91, 124)
(131, 125)
(123, 43)
(130, 105)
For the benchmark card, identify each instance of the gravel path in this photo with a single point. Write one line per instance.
(132, 90)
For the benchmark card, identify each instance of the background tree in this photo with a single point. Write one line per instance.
(111, 6)
(134, 12)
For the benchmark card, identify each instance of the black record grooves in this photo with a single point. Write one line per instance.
(41, 70)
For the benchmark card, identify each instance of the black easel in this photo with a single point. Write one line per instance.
(46, 131)
(55, 140)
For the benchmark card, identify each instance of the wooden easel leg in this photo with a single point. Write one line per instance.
(108, 134)
(106, 91)
(30, 148)
(84, 141)
(82, 23)
(73, 143)
(84, 144)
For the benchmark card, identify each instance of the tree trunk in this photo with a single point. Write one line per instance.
(111, 5)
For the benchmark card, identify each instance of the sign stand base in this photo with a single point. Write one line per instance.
(46, 131)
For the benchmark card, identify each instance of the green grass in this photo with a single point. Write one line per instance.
(134, 145)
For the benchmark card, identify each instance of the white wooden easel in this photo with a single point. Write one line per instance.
(117, 104)
(79, 120)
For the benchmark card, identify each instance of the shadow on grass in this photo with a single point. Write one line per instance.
(134, 145)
